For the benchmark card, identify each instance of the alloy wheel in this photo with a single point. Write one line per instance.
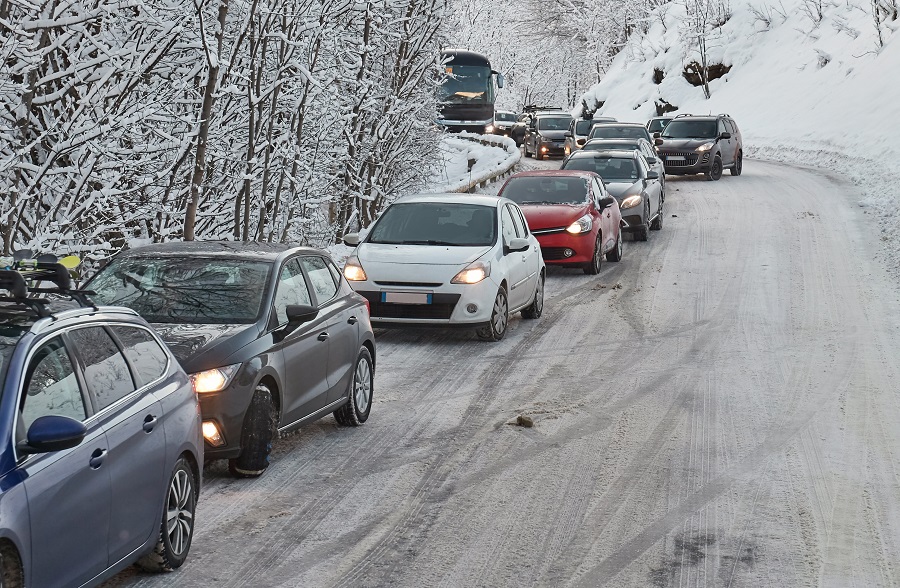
(363, 385)
(501, 316)
(180, 511)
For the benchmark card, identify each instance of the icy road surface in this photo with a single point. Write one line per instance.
(721, 408)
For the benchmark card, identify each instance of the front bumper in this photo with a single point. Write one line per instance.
(545, 148)
(556, 245)
(227, 409)
(686, 162)
(450, 304)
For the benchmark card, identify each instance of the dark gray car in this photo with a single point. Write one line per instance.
(546, 134)
(702, 145)
(272, 335)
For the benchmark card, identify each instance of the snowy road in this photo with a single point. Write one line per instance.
(721, 408)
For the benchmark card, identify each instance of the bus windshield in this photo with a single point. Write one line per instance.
(467, 84)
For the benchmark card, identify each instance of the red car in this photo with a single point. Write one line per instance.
(570, 212)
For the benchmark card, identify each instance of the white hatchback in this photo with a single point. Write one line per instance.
(449, 260)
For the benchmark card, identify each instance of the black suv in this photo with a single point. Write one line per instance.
(272, 335)
(701, 145)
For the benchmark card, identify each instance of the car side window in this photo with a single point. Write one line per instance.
(721, 126)
(320, 277)
(509, 228)
(335, 272)
(521, 221)
(642, 163)
(517, 221)
(148, 360)
(729, 126)
(106, 374)
(291, 289)
(599, 192)
(51, 387)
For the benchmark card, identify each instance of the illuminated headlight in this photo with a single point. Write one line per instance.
(582, 225)
(212, 434)
(353, 271)
(489, 129)
(705, 147)
(631, 201)
(472, 273)
(213, 380)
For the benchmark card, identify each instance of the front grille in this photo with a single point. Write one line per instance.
(441, 307)
(547, 231)
(554, 253)
(412, 284)
(690, 158)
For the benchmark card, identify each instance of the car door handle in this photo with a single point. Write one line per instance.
(352, 320)
(97, 458)
(322, 336)
(150, 422)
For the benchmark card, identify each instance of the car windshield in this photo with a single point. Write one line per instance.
(553, 123)
(191, 290)
(657, 124)
(436, 223)
(467, 84)
(615, 132)
(690, 129)
(527, 190)
(611, 145)
(505, 117)
(609, 168)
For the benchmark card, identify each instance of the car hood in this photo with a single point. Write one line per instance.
(553, 216)
(553, 135)
(205, 346)
(621, 189)
(418, 254)
(682, 144)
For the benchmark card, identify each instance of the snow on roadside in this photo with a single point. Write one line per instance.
(820, 95)
(452, 172)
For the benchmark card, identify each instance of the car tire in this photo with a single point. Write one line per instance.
(715, 170)
(495, 330)
(643, 233)
(257, 435)
(738, 166)
(657, 223)
(525, 144)
(615, 254)
(362, 384)
(11, 573)
(592, 268)
(537, 153)
(173, 543)
(536, 308)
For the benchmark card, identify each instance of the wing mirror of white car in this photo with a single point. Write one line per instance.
(351, 239)
(652, 175)
(651, 160)
(605, 203)
(517, 245)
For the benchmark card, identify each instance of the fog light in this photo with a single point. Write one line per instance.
(471, 308)
(568, 252)
(212, 435)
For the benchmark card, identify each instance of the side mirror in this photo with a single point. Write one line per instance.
(657, 135)
(605, 203)
(657, 141)
(52, 433)
(351, 239)
(652, 160)
(517, 245)
(297, 314)
(652, 175)
(725, 135)
(500, 80)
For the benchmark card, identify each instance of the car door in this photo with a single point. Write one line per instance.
(304, 349)
(607, 222)
(533, 255)
(340, 322)
(652, 188)
(726, 147)
(516, 261)
(657, 166)
(68, 491)
(137, 446)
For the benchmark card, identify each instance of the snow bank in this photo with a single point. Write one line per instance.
(494, 157)
(819, 94)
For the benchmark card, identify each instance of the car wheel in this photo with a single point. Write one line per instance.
(593, 266)
(496, 329)
(356, 411)
(537, 153)
(616, 253)
(715, 171)
(643, 232)
(177, 528)
(260, 427)
(738, 166)
(11, 573)
(536, 308)
(657, 223)
(525, 143)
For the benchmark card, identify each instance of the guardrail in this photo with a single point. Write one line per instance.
(501, 170)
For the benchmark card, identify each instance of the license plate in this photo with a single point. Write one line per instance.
(406, 297)
(675, 158)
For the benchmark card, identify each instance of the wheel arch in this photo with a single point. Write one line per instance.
(370, 345)
(271, 383)
(9, 548)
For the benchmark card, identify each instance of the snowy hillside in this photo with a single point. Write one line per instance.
(822, 94)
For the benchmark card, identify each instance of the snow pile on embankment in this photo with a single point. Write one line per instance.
(822, 94)
(492, 156)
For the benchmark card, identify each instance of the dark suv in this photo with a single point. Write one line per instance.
(100, 446)
(546, 134)
(272, 335)
(701, 145)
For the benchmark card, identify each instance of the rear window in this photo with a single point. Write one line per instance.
(546, 190)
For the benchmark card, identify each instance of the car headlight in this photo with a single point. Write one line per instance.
(489, 129)
(582, 225)
(705, 147)
(354, 271)
(213, 380)
(631, 201)
(472, 273)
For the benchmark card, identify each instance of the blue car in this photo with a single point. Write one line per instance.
(100, 438)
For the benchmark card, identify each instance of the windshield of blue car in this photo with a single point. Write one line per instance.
(614, 132)
(690, 129)
(436, 223)
(192, 290)
(554, 123)
(611, 169)
(528, 190)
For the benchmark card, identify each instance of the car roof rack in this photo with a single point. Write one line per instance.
(16, 279)
(683, 114)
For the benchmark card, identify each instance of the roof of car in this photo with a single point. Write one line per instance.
(604, 140)
(618, 124)
(616, 153)
(451, 198)
(541, 113)
(237, 249)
